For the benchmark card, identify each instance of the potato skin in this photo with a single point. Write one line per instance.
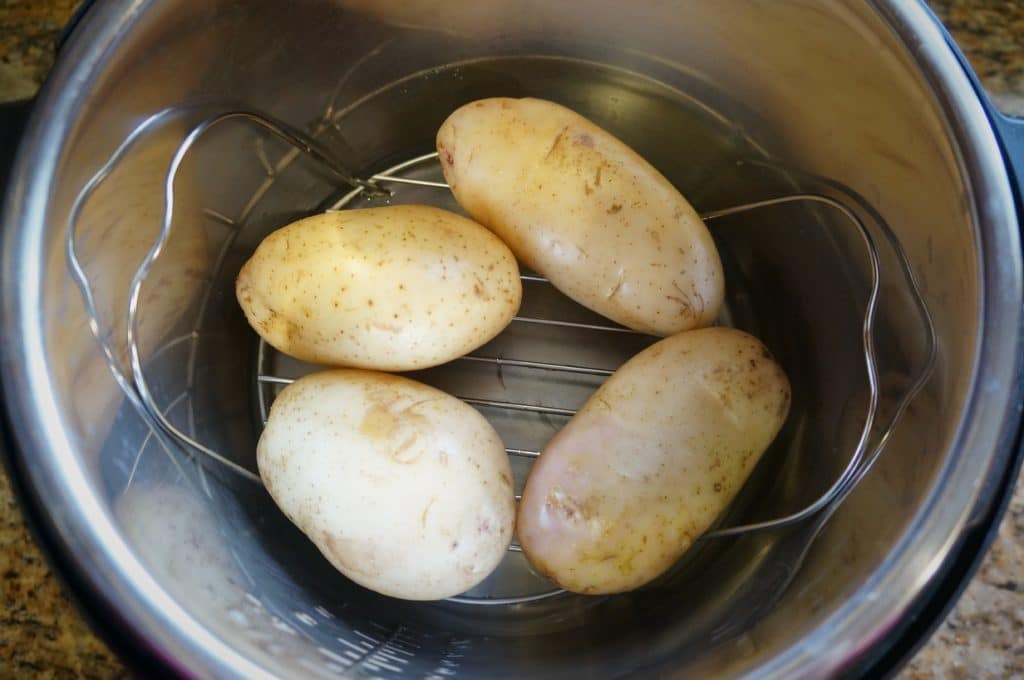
(583, 209)
(652, 458)
(396, 288)
(405, 489)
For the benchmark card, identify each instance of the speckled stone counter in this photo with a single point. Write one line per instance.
(42, 635)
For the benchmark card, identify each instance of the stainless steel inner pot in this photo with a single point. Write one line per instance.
(732, 101)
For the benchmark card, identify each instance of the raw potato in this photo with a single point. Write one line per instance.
(583, 209)
(651, 459)
(405, 489)
(397, 288)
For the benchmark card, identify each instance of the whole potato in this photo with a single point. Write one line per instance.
(405, 489)
(397, 288)
(583, 209)
(651, 459)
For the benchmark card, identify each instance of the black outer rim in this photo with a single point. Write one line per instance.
(884, 660)
(934, 606)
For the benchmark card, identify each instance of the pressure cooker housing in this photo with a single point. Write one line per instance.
(872, 95)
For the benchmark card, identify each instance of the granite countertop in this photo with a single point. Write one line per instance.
(42, 635)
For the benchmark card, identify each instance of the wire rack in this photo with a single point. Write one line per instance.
(273, 371)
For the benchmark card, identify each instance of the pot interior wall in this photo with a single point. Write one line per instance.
(733, 102)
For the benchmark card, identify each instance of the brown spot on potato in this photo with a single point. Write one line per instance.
(614, 208)
(479, 288)
(405, 453)
(685, 308)
(423, 516)
(378, 423)
(554, 144)
(561, 504)
(387, 327)
(700, 302)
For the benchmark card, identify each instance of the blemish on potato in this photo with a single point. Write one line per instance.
(554, 144)
(378, 423)
(618, 286)
(426, 510)
(584, 139)
(559, 503)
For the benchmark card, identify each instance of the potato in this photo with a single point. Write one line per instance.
(405, 489)
(397, 288)
(651, 459)
(583, 209)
